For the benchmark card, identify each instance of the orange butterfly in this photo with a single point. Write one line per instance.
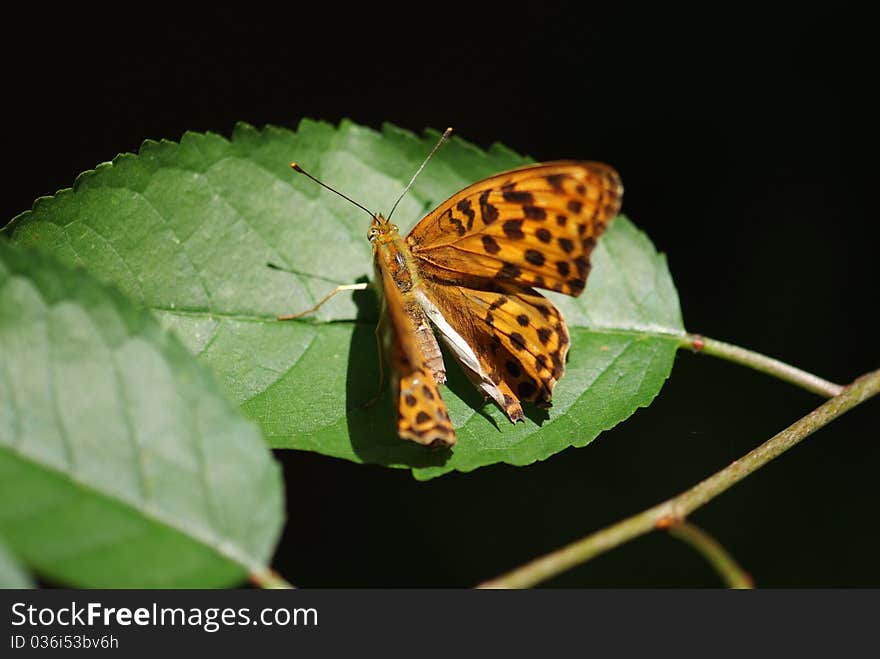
(469, 269)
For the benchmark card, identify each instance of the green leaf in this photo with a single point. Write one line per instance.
(121, 463)
(12, 573)
(187, 230)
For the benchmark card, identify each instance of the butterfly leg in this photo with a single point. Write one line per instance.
(381, 328)
(344, 287)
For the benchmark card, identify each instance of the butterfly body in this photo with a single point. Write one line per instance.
(470, 269)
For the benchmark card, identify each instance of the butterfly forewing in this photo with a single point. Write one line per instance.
(532, 227)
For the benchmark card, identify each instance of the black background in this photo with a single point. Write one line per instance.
(747, 143)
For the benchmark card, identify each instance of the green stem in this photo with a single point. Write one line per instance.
(268, 578)
(675, 510)
(762, 363)
(726, 567)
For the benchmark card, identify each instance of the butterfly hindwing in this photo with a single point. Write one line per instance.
(519, 338)
(421, 412)
(531, 227)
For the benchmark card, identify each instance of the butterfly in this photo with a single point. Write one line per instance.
(469, 270)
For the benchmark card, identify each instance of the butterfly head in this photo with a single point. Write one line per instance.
(381, 229)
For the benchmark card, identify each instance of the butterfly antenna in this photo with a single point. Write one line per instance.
(299, 169)
(443, 138)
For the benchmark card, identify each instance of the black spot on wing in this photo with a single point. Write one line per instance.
(490, 245)
(509, 271)
(499, 302)
(534, 212)
(513, 229)
(555, 181)
(562, 334)
(526, 389)
(518, 341)
(534, 257)
(465, 208)
(518, 196)
(490, 213)
(557, 365)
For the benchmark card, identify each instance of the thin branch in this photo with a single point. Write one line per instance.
(675, 510)
(759, 362)
(268, 578)
(717, 556)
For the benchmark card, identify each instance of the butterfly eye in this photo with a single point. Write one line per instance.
(372, 234)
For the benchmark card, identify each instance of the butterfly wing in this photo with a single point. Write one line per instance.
(481, 254)
(416, 368)
(518, 337)
(531, 227)
(421, 413)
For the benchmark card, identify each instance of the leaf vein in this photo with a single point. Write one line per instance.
(119, 256)
(221, 546)
(181, 244)
(139, 466)
(66, 442)
(17, 435)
